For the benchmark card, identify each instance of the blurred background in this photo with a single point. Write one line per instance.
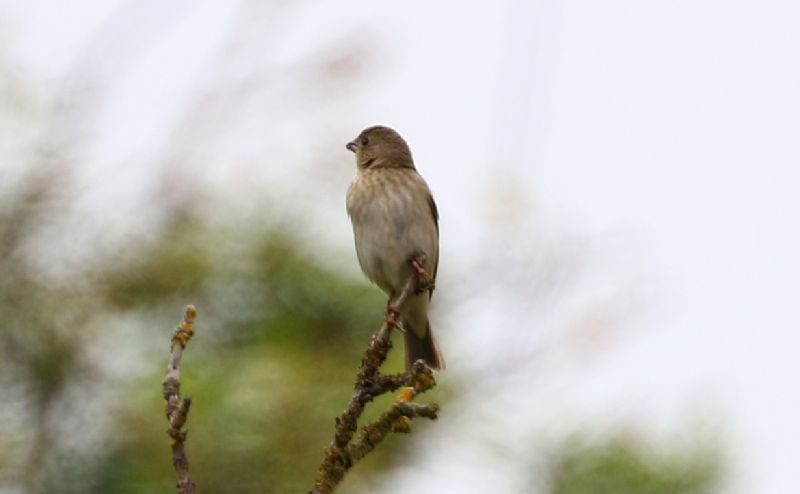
(617, 184)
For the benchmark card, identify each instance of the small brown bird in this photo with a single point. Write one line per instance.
(395, 222)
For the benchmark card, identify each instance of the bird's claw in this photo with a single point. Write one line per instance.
(392, 318)
(424, 280)
(424, 285)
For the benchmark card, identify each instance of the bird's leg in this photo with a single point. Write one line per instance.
(392, 316)
(424, 280)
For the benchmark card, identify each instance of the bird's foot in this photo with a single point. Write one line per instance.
(424, 280)
(392, 318)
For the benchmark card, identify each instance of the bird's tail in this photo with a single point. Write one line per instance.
(425, 348)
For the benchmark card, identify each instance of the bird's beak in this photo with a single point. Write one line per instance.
(351, 146)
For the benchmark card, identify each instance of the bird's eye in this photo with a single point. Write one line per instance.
(364, 141)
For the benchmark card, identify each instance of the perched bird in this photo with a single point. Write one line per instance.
(396, 227)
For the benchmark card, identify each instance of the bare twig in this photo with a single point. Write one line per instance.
(177, 408)
(343, 451)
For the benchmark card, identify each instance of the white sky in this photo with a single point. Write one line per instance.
(669, 127)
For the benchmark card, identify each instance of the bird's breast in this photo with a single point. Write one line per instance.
(391, 221)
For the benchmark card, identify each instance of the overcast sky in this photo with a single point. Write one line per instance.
(664, 133)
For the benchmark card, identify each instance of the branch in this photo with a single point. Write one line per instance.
(398, 417)
(343, 451)
(177, 408)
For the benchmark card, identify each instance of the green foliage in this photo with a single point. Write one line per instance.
(621, 466)
(279, 338)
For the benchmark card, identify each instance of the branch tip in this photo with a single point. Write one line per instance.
(177, 409)
(190, 313)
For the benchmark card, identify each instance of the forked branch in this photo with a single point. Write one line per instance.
(344, 451)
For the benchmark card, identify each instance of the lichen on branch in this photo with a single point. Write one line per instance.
(177, 408)
(346, 449)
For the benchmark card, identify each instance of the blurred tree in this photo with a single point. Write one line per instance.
(621, 466)
(271, 368)
(83, 325)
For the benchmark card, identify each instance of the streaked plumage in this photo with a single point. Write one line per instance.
(394, 218)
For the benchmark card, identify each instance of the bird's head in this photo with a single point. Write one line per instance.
(380, 147)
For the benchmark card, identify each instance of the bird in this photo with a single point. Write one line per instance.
(396, 231)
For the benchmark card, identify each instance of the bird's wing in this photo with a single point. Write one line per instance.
(435, 214)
